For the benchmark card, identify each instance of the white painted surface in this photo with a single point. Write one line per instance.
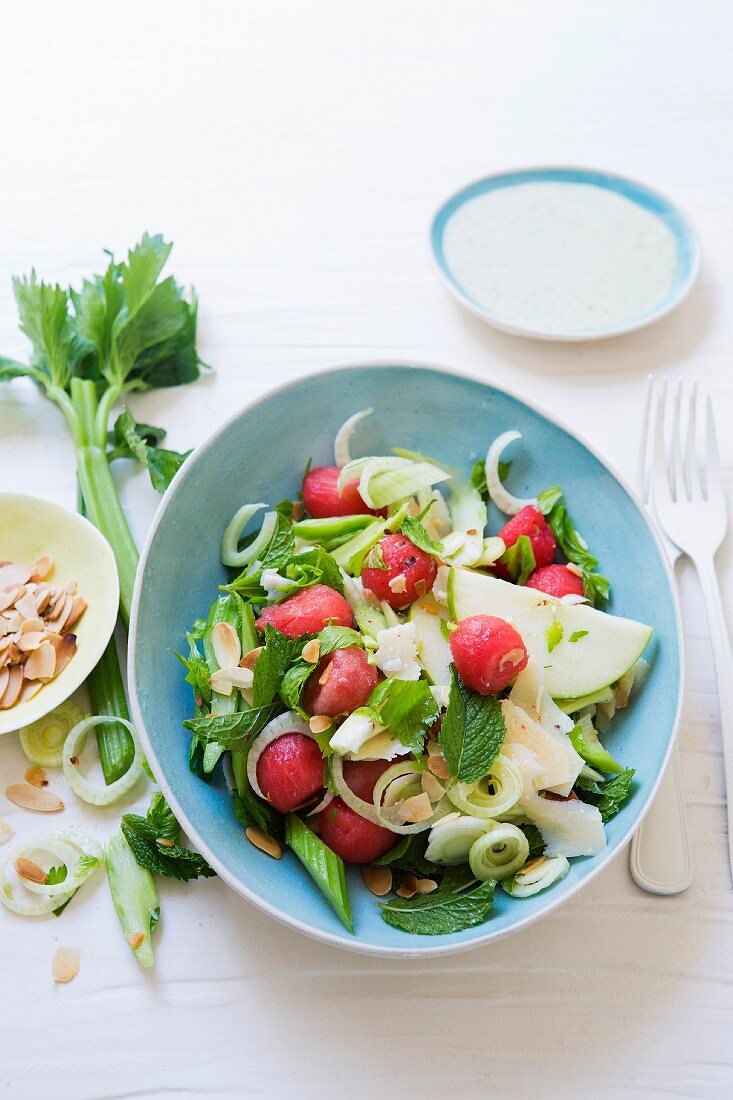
(296, 153)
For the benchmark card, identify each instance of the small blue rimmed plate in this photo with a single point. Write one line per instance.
(260, 455)
(564, 253)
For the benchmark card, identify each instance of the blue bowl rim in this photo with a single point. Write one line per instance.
(351, 943)
(675, 298)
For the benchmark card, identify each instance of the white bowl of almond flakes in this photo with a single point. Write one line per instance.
(59, 594)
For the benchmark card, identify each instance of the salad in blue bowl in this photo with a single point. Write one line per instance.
(415, 712)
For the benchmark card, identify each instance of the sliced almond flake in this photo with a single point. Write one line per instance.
(398, 583)
(14, 621)
(408, 886)
(43, 597)
(8, 598)
(4, 657)
(319, 723)
(573, 568)
(226, 645)
(41, 663)
(250, 659)
(64, 648)
(15, 655)
(27, 606)
(264, 842)
(224, 680)
(417, 808)
(220, 682)
(26, 868)
(135, 939)
(298, 510)
(5, 831)
(11, 574)
(31, 798)
(27, 643)
(438, 766)
(325, 675)
(444, 820)
(426, 885)
(311, 651)
(42, 568)
(29, 690)
(78, 607)
(377, 879)
(65, 964)
(431, 787)
(12, 688)
(36, 777)
(3, 627)
(33, 626)
(533, 864)
(71, 587)
(61, 612)
(4, 677)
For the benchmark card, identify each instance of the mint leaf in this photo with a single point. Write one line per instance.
(278, 654)
(407, 708)
(413, 529)
(250, 811)
(577, 635)
(408, 855)
(472, 732)
(534, 839)
(197, 670)
(550, 503)
(162, 818)
(554, 634)
(519, 560)
(231, 730)
(171, 861)
(450, 908)
(608, 796)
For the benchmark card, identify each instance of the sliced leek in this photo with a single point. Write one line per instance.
(494, 794)
(499, 853)
(43, 741)
(452, 840)
(230, 552)
(539, 874)
(73, 746)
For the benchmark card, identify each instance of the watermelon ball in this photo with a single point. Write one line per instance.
(488, 653)
(323, 498)
(361, 776)
(341, 682)
(351, 836)
(307, 612)
(407, 575)
(290, 771)
(530, 522)
(556, 580)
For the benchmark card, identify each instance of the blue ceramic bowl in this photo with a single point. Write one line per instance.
(260, 455)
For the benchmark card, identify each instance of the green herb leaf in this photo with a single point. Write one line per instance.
(173, 862)
(162, 818)
(534, 839)
(608, 796)
(253, 812)
(278, 654)
(197, 670)
(577, 635)
(231, 730)
(450, 908)
(554, 634)
(472, 732)
(407, 709)
(408, 855)
(131, 441)
(478, 475)
(413, 529)
(519, 560)
(550, 503)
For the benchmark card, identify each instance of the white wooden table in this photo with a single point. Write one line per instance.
(295, 154)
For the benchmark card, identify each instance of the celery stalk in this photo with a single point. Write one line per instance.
(134, 895)
(224, 609)
(324, 866)
(107, 696)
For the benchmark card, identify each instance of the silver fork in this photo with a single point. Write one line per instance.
(661, 853)
(690, 502)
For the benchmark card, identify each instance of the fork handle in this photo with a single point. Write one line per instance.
(724, 675)
(661, 853)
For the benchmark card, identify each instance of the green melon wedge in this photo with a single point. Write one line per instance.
(572, 669)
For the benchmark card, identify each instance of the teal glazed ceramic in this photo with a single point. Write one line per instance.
(260, 454)
(650, 200)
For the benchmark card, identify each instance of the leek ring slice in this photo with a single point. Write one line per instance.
(499, 853)
(43, 741)
(73, 746)
(537, 875)
(496, 793)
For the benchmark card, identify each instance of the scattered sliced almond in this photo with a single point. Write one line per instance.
(12, 688)
(5, 831)
(438, 766)
(8, 598)
(431, 787)
(31, 798)
(27, 606)
(264, 842)
(61, 611)
(378, 879)
(165, 842)
(398, 583)
(33, 626)
(426, 885)
(65, 965)
(533, 864)
(78, 607)
(36, 777)
(319, 723)
(250, 659)
(444, 820)
(417, 808)
(43, 597)
(41, 663)
(226, 645)
(71, 587)
(4, 677)
(431, 608)
(513, 657)
(311, 651)
(325, 675)
(26, 868)
(11, 574)
(408, 886)
(135, 939)
(42, 568)
(298, 510)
